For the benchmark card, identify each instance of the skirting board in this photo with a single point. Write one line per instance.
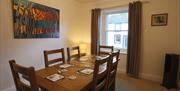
(151, 77)
(121, 71)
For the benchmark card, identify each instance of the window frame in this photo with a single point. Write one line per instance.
(104, 23)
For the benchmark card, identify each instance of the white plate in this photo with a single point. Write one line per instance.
(54, 77)
(65, 66)
(87, 71)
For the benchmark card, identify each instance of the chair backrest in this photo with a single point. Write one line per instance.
(29, 72)
(100, 75)
(103, 49)
(73, 52)
(53, 61)
(113, 68)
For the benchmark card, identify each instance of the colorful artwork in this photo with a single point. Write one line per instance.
(32, 20)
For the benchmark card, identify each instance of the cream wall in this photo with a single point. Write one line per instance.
(81, 33)
(156, 41)
(29, 52)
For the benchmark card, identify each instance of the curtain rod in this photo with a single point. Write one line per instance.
(144, 2)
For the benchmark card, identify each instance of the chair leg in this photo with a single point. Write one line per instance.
(113, 86)
(43, 89)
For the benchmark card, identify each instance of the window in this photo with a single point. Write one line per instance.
(114, 30)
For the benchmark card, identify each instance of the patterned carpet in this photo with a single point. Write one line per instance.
(126, 83)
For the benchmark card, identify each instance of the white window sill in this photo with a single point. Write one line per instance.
(122, 51)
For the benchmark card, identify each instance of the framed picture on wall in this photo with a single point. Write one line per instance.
(159, 19)
(33, 20)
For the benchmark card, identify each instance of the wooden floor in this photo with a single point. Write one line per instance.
(125, 83)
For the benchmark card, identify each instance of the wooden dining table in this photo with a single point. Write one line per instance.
(81, 83)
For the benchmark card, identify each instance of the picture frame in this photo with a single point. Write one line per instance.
(159, 19)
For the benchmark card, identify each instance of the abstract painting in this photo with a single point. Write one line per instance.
(32, 20)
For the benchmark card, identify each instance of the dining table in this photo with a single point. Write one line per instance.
(82, 82)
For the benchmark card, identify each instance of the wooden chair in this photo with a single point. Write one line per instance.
(28, 72)
(53, 61)
(73, 55)
(112, 70)
(107, 49)
(100, 78)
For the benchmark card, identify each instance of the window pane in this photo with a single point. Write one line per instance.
(110, 38)
(125, 40)
(118, 26)
(113, 18)
(111, 27)
(124, 26)
(117, 39)
(117, 21)
(116, 34)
